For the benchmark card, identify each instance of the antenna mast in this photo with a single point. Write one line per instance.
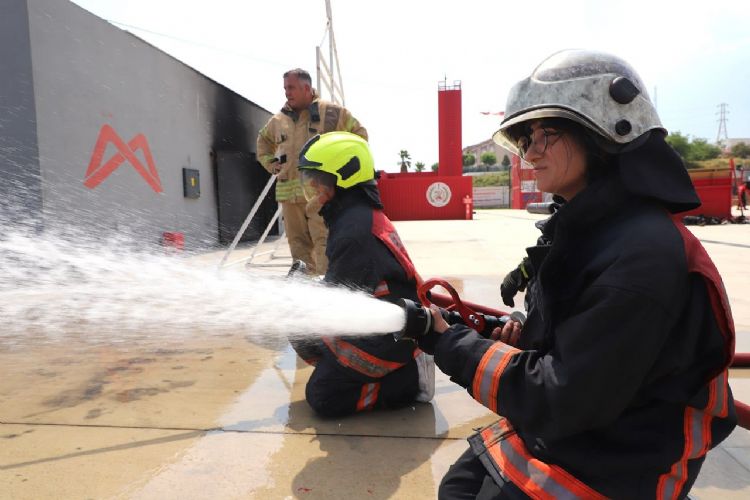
(721, 137)
(331, 68)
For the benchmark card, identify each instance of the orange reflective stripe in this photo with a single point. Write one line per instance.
(486, 384)
(534, 477)
(697, 431)
(383, 229)
(381, 290)
(495, 432)
(368, 396)
(359, 360)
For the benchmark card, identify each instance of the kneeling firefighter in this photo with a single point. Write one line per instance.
(616, 384)
(354, 374)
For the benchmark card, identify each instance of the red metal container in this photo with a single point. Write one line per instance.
(714, 188)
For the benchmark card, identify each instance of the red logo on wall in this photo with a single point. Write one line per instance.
(96, 173)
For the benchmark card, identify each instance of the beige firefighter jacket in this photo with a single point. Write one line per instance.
(287, 131)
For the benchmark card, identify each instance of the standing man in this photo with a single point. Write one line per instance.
(303, 116)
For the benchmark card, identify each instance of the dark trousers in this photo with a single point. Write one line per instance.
(468, 479)
(335, 391)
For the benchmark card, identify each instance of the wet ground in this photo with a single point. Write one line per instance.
(225, 417)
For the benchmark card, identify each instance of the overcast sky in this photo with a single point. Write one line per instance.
(394, 53)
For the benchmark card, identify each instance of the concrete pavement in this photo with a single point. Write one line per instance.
(225, 417)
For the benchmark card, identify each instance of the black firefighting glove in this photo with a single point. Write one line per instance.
(428, 341)
(515, 281)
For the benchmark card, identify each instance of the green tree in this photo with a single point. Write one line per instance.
(488, 158)
(506, 161)
(469, 160)
(680, 143)
(434, 167)
(693, 150)
(405, 160)
(741, 150)
(419, 166)
(701, 150)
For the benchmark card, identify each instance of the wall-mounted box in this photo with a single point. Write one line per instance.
(191, 183)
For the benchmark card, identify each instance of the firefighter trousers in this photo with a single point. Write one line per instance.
(307, 234)
(334, 390)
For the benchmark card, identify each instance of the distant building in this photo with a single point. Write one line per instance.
(730, 143)
(488, 146)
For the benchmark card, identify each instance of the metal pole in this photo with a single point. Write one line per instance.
(317, 66)
(264, 235)
(274, 249)
(248, 219)
(330, 47)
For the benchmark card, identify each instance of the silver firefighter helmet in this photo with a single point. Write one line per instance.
(598, 90)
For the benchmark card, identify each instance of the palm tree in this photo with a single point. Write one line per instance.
(405, 160)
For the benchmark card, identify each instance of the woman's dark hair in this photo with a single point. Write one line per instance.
(599, 163)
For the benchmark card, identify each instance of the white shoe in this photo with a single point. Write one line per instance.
(426, 370)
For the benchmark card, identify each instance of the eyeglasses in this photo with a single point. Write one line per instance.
(538, 140)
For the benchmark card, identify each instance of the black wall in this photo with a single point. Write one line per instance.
(20, 188)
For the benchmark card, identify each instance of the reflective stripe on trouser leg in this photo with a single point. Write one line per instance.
(368, 397)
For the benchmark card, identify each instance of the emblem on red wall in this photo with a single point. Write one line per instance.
(438, 194)
(98, 171)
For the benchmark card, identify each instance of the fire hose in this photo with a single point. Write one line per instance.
(452, 309)
(484, 319)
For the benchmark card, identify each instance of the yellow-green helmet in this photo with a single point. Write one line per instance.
(341, 154)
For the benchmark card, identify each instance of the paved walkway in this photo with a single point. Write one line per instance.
(225, 418)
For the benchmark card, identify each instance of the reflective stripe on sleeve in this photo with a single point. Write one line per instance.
(290, 189)
(351, 124)
(487, 377)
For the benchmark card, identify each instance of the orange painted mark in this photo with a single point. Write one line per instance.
(97, 172)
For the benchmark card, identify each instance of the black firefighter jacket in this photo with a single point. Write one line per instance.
(619, 385)
(365, 253)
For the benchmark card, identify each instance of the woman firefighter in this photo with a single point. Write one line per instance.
(616, 384)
